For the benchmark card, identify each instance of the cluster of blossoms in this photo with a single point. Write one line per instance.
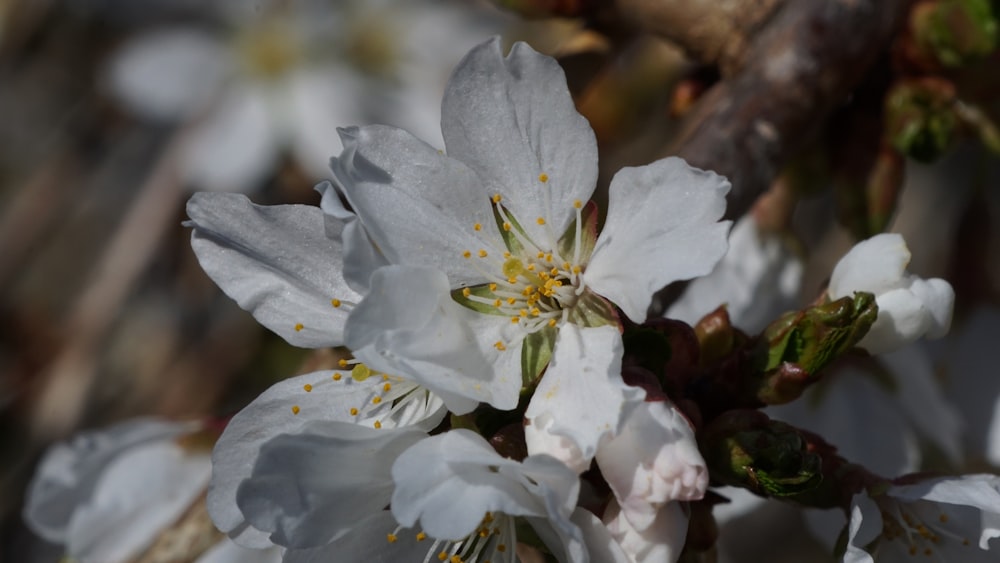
(491, 408)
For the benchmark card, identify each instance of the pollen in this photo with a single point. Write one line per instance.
(500, 346)
(308, 388)
(376, 400)
(342, 363)
(421, 536)
(335, 302)
(552, 323)
(377, 425)
(496, 198)
(577, 203)
(391, 538)
(482, 253)
(540, 220)
(337, 377)
(507, 226)
(576, 269)
(456, 559)
(354, 411)
(466, 292)
(299, 327)
(497, 303)
(295, 409)
(466, 254)
(477, 227)
(543, 177)
(493, 287)
(442, 556)
(515, 319)
(511, 300)
(386, 387)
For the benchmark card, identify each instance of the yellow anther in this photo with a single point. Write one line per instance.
(354, 411)
(535, 312)
(577, 203)
(337, 377)
(540, 255)
(577, 269)
(466, 254)
(554, 271)
(386, 387)
(496, 198)
(299, 327)
(376, 400)
(500, 346)
(493, 287)
(482, 253)
(442, 556)
(507, 226)
(552, 323)
(548, 257)
(335, 302)
(466, 292)
(385, 377)
(512, 280)
(361, 372)
(295, 409)
(557, 283)
(377, 425)
(531, 267)
(477, 227)
(540, 220)
(525, 312)
(391, 538)
(501, 547)
(506, 254)
(456, 559)
(308, 388)
(342, 363)
(566, 265)
(511, 300)
(497, 303)
(543, 177)
(421, 536)
(515, 319)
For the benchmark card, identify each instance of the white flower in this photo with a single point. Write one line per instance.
(757, 279)
(653, 461)
(894, 402)
(285, 74)
(500, 221)
(909, 307)
(662, 540)
(354, 405)
(110, 495)
(944, 519)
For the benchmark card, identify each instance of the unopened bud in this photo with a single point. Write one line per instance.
(920, 119)
(955, 32)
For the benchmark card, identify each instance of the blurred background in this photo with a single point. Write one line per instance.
(112, 112)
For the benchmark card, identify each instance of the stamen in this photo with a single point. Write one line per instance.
(543, 177)
(295, 409)
(477, 227)
(308, 388)
(299, 327)
(335, 302)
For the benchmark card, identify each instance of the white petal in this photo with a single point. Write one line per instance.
(980, 491)
(168, 74)
(876, 265)
(652, 461)
(276, 262)
(581, 396)
(310, 488)
(865, 526)
(938, 298)
(286, 408)
(449, 482)
(139, 494)
(661, 542)
(601, 546)
(758, 279)
(419, 206)
(901, 319)
(235, 147)
(226, 551)
(409, 325)
(361, 256)
(320, 100)
(512, 119)
(663, 226)
(68, 473)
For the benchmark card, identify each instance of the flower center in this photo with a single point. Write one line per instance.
(270, 50)
(490, 541)
(922, 534)
(535, 285)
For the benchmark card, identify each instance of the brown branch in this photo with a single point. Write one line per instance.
(801, 65)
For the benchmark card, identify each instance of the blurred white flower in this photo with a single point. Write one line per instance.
(108, 496)
(909, 307)
(284, 75)
(943, 519)
(758, 279)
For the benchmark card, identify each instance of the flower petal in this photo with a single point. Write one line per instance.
(68, 473)
(663, 226)
(409, 325)
(236, 145)
(276, 262)
(876, 265)
(295, 494)
(512, 119)
(285, 408)
(602, 547)
(226, 551)
(581, 396)
(168, 74)
(361, 256)
(865, 526)
(418, 206)
(652, 461)
(449, 482)
(138, 495)
(661, 542)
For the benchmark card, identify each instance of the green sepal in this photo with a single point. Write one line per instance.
(536, 352)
